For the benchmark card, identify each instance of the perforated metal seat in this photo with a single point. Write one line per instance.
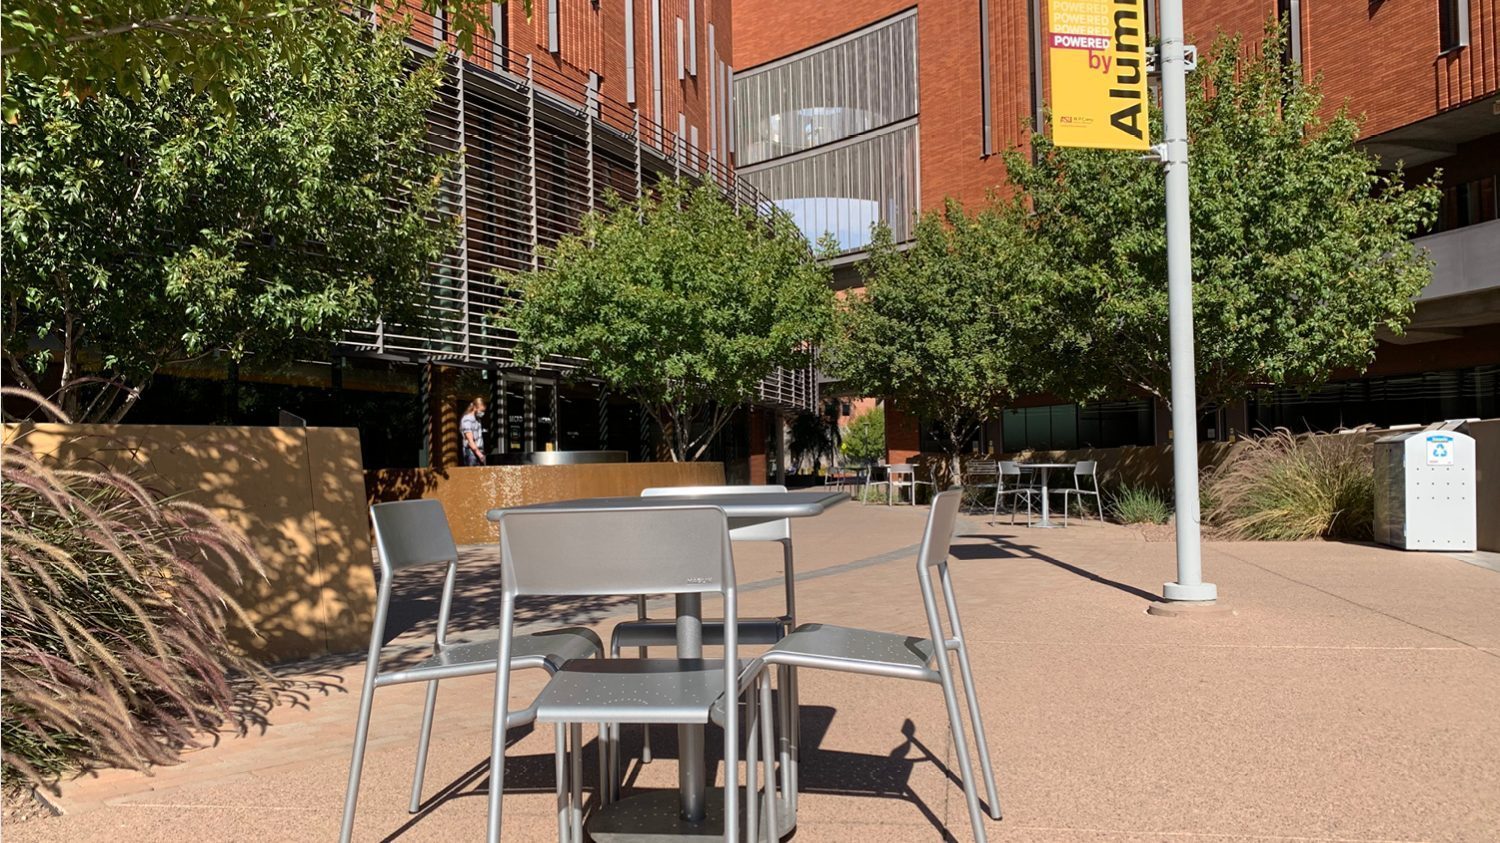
(636, 691)
(548, 650)
(857, 651)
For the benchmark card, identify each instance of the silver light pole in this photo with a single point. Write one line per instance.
(1189, 585)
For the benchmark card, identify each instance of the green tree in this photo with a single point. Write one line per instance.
(864, 438)
(143, 232)
(680, 299)
(133, 46)
(939, 328)
(1301, 245)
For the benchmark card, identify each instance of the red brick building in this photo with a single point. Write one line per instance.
(848, 113)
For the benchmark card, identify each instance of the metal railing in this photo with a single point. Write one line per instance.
(538, 146)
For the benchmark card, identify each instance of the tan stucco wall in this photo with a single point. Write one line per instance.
(297, 493)
(467, 493)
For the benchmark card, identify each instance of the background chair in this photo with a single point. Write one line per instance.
(415, 534)
(904, 477)
(1084, 470)
(979, 475)
(600, 552)
(1013, 486)
(850, 650)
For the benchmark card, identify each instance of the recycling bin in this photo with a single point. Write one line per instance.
(1425, 491)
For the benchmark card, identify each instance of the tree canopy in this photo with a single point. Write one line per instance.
(140, 232)
(680, 299)
(941, 328)
(1301, 248)
(133, 46)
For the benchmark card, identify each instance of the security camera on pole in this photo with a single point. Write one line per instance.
(1098, 60)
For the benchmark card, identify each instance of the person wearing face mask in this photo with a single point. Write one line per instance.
(471, 434)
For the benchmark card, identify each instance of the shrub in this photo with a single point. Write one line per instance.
(1286, 487)
(114, 636)
(864, 439)
(1140, 505)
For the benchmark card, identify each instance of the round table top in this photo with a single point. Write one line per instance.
(1046, 465)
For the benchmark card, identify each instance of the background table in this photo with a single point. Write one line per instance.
(689, 814)
(1045, 468)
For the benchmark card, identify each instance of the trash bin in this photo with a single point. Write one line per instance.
(1424, 490)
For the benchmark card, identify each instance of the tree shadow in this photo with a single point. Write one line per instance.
(1002, 547)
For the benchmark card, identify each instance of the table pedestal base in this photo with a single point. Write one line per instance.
(656, 817)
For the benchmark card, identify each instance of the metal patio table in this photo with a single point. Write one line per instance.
(690, 814)
(1045, 468)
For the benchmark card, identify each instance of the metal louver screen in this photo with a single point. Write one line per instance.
(534, 163)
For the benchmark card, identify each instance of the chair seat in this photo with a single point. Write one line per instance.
(853, 650)
(663, 633)
(550, 649)
(632, 691)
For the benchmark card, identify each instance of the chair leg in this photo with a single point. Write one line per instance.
(357, 763)
(560, 764)
(766, 739)
(752, 761)
(640, 613)
(961, 748)
(977, 721)
(422, 743)
(605, 796)
(575, 762)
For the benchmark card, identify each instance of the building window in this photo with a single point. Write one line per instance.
(987, 136)
(630, 51)
(1062, 427)
(681, 51)
(1289, 12)
(1453, 24)
(692, 25)
(500, 32)
(656, 70)
(552, 27)
(1469, 203)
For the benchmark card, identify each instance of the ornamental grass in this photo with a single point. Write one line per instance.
(114, 634)
(1285, 487)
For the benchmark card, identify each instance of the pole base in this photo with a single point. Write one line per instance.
(1202, 592)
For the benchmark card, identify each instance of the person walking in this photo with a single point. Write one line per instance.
(471, 434)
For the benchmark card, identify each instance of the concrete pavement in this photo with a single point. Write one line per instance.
(1354, 696)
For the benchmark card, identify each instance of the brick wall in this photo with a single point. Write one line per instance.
(592, 38)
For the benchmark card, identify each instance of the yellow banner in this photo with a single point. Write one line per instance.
(1096, 51)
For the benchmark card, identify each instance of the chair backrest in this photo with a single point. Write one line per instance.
(933, 560)
(1086, 468)
(769, 531)
(613, 551)
(901, 468)
(410, 534)
(1010, 468)
(939, 533)
(981, 467)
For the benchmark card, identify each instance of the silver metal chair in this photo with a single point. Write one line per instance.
(1011, 485)
(1084, 469)
(867, 479)
(647, 632)
(979, 475)
(598, 552)
(415, 534)
(904, 477)
(827, 647)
